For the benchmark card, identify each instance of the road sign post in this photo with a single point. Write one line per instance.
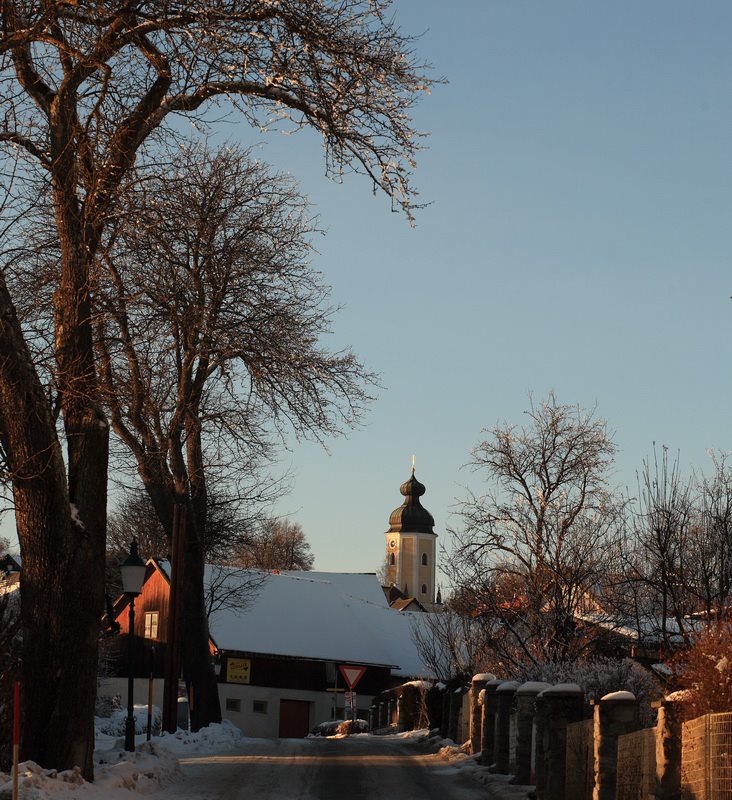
(351, 675)
(351, 704)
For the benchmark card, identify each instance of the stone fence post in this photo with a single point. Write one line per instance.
(556, 707)
(445, 722)
(477, 685)
(668, 750)
(456, 707)
(615, 715)
(525, 710)
(502, 747)
(488, 738)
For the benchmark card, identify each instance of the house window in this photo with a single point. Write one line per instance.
(151, 624)
(391, 559)
(424, 588)
(233, 704)
(424, 559)
(259, 706)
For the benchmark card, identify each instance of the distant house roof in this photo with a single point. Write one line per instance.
(341, 617)
(408, 604)
(9, 563)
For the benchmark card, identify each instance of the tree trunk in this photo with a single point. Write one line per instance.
(61, 581)
(196, 659)
(195, 655)
(197, 664)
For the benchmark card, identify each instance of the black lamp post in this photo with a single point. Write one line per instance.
(133, 570)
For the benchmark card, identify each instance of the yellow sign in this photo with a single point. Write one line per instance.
(238, 670)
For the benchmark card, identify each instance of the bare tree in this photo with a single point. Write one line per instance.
(229, 518)
(84, 86)
(216, 344)
(710, 563)
(451, 643)
(659, 548)
(533, 549)
(232, 588)
(277, 544)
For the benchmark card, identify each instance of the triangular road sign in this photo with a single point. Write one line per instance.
(351, 675)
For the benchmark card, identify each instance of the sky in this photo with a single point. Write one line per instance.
(578, 240)
(579, 172)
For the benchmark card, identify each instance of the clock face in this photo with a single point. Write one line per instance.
(392, 543)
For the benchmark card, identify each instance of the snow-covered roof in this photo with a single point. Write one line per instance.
(649, 627)
(342, 617)
(363, 585)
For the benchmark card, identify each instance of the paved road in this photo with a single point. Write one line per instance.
(357, 768)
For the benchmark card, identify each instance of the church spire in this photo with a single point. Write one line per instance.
(411, 516)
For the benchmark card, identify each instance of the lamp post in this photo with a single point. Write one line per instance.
(133, 570)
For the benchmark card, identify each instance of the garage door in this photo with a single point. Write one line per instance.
(294, 719)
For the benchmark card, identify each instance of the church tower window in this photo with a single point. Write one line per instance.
(424, 588)
(424, 559)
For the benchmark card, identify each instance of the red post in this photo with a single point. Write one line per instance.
(16, 736)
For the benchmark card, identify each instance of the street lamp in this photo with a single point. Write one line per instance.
(133, 570)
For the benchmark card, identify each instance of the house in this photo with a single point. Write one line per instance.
(279, 640)
(9, 564)
(9, 573)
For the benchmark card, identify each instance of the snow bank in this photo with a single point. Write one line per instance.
(146, 771)
(214, 738)
(114, 725)
(117, 772)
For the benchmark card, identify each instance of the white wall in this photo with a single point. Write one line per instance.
(257, 725)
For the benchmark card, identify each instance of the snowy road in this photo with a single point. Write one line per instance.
(360, 768)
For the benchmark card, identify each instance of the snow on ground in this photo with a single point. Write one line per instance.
(457, 760)
(117, 773)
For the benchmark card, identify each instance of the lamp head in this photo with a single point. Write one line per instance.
(133, 570)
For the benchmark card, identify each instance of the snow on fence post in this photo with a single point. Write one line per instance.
(615, 715)
(504, 701)
(556, 707)
(488, 738)
(477, 685)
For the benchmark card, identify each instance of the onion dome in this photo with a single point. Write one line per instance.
(411, 516)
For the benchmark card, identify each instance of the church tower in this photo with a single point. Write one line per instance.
(411, 545)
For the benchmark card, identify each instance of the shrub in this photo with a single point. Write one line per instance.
(704, 672)
(599, 676)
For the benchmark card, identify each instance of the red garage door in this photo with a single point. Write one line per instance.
(294, 719)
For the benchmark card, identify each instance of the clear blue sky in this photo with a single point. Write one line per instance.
(578, 239)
